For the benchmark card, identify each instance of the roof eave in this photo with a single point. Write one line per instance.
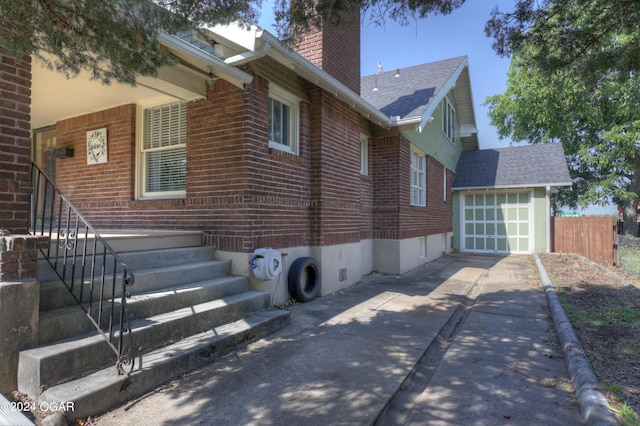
(310, 72)
(302, 67)
(204, 61)
(489, 188)
(426, 116)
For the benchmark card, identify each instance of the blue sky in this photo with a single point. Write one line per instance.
(440, 37)
(432, 39)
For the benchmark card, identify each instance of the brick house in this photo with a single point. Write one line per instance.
(249, 145)
(257, 145)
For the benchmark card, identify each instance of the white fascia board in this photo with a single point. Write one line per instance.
(204, 61)
(509, 187)
(450, 84)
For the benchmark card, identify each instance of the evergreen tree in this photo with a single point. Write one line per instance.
(117, 39)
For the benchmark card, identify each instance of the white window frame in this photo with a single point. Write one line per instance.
(142, 152)
(364, 155)
(292, 103)
(448, 120)
(418, 179)
(444, 179)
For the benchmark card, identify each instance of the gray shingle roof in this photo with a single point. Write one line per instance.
(407, 92)
(529, 165)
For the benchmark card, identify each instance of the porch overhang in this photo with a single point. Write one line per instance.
(55, 97)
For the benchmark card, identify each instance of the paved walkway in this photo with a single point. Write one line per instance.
(465, 340)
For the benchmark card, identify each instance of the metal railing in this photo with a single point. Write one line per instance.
(92, 271)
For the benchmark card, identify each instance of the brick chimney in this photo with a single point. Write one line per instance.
(336, 50)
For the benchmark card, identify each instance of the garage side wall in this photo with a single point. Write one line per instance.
(542, 217)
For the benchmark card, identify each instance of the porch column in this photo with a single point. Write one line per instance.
(19, 290)
(15, 143)
(19, 302)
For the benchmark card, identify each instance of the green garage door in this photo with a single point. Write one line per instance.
(497, 223)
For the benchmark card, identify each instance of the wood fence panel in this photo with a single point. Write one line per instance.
(593, 237)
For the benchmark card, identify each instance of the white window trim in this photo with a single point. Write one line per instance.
(448, 120)
(293, 103)
(364, 155)
(421, 186)
(141, 194)
(444, 178)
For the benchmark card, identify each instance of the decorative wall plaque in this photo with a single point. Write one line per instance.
(97, 146)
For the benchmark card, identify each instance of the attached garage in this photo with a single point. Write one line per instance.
(502, 198)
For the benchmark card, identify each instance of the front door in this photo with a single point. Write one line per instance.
(44, 144)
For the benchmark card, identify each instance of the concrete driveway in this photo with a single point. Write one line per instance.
(464, 340)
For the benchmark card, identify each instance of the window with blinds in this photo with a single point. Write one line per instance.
(164, 149)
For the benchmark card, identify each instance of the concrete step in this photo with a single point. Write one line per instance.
(122, 241)
(136, 260)
(185, 310)
(54, 294)
(102, 390)
(65, 322)
(49, 365)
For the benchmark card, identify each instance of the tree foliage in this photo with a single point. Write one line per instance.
(598, 126)
(117, 39)
(574, 79)
(590, 37)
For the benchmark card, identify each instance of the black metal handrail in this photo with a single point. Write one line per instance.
(93, 273)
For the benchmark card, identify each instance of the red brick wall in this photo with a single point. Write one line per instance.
(111, 181)
(335, 171)
(336, 50)
(394, 216)
(390, 156)
(240, 192)
(15, 143)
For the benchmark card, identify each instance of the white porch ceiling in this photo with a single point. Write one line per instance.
(54, 97)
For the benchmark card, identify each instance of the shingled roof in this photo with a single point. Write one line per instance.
(408, 92)
(528, 165)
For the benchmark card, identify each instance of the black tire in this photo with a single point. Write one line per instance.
(304, 279)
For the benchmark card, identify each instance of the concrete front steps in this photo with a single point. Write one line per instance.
(185, 310)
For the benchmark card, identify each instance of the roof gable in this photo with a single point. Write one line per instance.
(410, 96)
(529, 165)
(409, 92)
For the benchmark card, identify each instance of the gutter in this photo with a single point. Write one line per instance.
(243, 58)
(310, 72)
(206, 61)
(521, 186)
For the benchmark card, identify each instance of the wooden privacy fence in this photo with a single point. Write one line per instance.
(593, 237)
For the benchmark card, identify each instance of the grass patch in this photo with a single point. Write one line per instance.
(601, 316)
(628, 417)
(630, 260)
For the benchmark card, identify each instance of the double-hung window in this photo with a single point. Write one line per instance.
(418, 179)
(283, 121)
(448, 120)
(163, 152)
